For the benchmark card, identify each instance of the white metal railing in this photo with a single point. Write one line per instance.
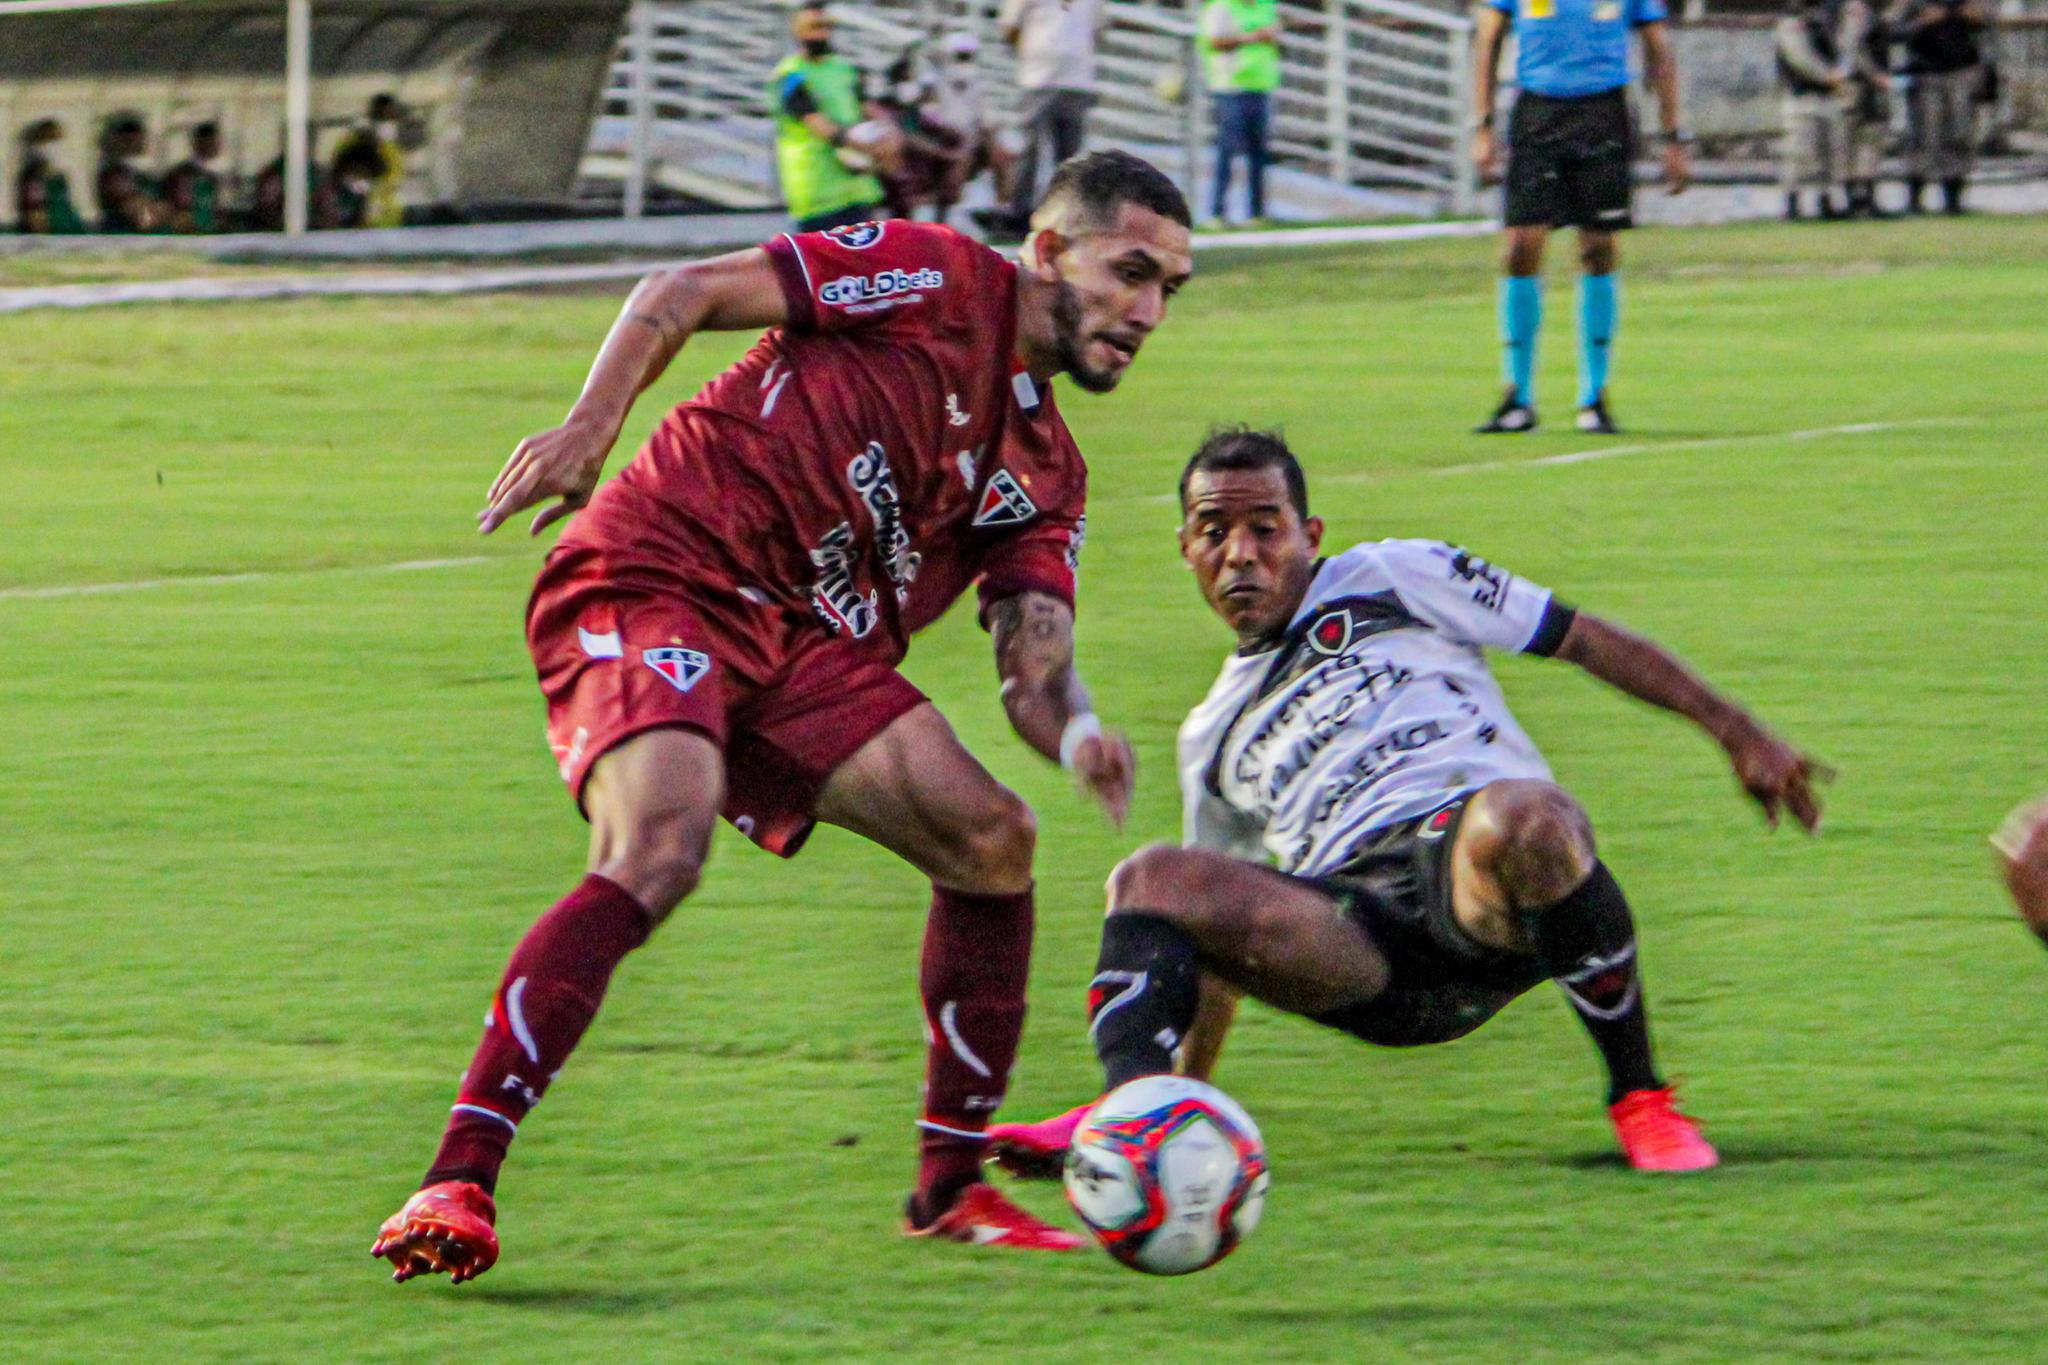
(1372, 95)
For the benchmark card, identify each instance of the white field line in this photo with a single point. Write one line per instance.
(1448, 471)
(1659, 447)
(1614, 452)
(215, 579)
(205, 290)
(473, 281)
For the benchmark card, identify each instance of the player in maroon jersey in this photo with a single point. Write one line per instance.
(718, 631)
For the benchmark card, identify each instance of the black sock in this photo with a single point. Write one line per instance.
(1587, 943)
(1952, 195)
(1915, 188)
(1143, 998)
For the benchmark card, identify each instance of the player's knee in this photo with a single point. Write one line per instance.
(659, 861)
(1523, 254)
(1597, 253)
(994, 845)
(1152, 880)
(1535, 840)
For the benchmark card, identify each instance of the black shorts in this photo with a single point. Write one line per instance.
(1441, 983)
(1571, 162)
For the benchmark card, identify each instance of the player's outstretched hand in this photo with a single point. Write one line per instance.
(1107, 770)
(1778, 776)
(562, 462)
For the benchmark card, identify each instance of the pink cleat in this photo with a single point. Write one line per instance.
(1036, 1151)
(982, 1217)
(1656, 1137)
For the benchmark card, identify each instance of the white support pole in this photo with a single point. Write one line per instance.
(642, 24)
(298, 111)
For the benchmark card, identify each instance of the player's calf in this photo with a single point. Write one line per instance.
(1527, 879)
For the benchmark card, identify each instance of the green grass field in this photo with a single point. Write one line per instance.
(267, 842)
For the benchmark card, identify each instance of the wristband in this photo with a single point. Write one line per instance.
(1079, 731)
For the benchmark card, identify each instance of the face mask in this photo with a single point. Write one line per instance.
(814, 48)
(387, 130)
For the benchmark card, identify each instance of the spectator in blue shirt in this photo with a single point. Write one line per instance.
(1570, 145)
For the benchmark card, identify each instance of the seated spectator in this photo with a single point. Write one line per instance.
(359, 166)
(42, 192)
(192, 190)
(128, 194)
(267, 212)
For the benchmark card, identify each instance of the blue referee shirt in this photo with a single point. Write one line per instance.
(1569, 48)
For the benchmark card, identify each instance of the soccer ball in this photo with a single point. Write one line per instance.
(1168, 1173)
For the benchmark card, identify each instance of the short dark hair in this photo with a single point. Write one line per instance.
(1099, 183)
(1239, 447)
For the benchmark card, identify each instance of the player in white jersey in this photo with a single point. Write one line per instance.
(1371, 839)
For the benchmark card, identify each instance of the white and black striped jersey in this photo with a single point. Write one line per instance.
(1376, 706)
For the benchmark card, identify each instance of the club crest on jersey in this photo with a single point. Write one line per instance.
(1004, 503)
(1332, 634)
(856, 236)
(681, 667)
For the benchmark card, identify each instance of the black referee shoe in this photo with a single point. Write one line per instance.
(1593, 417)
(1511, 417)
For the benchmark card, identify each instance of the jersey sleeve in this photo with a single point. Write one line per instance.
(1642, 12)
(1506, 7)
(1044, 557)
(1472, 601)
(857, 276)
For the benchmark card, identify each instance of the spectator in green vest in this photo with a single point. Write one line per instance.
(1241, 52)
(826, 148)
(192, 189)
(42, 192)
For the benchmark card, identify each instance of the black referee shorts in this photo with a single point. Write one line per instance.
(1570, 162)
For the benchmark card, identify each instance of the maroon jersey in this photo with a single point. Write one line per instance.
(866, 464)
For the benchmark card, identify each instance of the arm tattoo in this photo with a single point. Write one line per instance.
(660, 325)
(1032, 635)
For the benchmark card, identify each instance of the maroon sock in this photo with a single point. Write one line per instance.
(977, 956)
(550, 993)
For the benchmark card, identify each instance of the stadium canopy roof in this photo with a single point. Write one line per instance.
(298, 80)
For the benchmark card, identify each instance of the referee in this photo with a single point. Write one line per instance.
(1569, 145)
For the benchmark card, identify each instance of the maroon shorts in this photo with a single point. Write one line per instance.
(620, 654)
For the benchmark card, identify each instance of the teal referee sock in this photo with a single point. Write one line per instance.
(1521, 318)
(1599, 311)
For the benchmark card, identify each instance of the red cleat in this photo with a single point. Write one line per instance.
(443, 1227)
(981, 1216)
(1656, 1137)
(1036, 1151)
